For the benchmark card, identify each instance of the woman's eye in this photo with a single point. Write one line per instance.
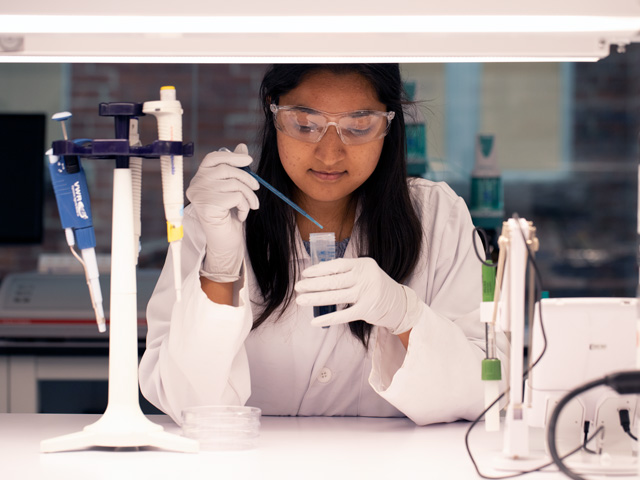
(359, 132)
(306, 128)
(361, 126)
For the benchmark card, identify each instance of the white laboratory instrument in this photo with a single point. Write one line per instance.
(587, 338)
(571, 341)
(41, 308)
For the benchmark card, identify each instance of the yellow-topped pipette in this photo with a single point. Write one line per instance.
(168, 112)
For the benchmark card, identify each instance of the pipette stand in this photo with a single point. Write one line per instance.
(123, 424)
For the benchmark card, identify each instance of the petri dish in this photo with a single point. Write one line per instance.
(222, 427)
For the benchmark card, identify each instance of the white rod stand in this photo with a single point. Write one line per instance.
(516, 433)
(123, 424)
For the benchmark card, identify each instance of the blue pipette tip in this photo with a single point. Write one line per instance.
(281, 196)
(276, 192)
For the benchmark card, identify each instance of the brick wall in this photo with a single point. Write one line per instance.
(220, 104)
(606, 108)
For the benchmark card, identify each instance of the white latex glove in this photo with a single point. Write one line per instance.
(374, 296)
(222, 195)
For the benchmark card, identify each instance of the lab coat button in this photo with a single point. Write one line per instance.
(325, 375)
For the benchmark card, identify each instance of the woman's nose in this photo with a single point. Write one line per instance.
(330, 149)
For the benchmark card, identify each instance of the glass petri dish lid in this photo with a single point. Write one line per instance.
(222, 427)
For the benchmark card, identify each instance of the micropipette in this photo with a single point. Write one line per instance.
(168, 112)
(280, 195)
(70, 188)
(72, 196)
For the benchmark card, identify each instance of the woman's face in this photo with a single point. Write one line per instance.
(329, 171)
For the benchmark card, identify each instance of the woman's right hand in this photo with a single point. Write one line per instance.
(222, 194)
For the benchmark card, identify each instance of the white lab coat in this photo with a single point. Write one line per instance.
(202, 353)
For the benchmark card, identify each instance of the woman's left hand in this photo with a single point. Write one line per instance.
(372, 294)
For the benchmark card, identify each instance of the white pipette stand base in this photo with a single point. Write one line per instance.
(123, 423)
(117, 432)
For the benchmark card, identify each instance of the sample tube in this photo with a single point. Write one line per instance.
(323, 249)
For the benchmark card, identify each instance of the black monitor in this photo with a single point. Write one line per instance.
(22, 164)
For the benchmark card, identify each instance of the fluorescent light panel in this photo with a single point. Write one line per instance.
(64, 24)
(259, 60)
(348, 38)
(317, 47)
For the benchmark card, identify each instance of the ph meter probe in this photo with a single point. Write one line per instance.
(72, 196)
(168, 112)
(491, 370)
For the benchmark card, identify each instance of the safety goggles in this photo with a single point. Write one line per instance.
(354, 128)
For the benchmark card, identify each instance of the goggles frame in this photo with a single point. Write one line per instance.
(331, 119)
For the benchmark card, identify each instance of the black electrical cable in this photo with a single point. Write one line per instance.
(524, 472)
(485, 239)
(625, 423)
(585, 429)
(622, 382)
(553, 423)
(537, 294)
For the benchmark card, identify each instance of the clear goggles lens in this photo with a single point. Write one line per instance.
(354, 128)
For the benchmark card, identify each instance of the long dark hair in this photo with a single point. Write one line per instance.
(390, 230)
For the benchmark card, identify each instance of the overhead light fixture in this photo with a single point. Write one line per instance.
(455, 34)
(296, 24)
(260, 60)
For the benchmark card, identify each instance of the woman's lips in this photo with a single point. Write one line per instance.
(327, 176)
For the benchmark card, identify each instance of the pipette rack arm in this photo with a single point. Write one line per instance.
(119, 147)
(111, 148)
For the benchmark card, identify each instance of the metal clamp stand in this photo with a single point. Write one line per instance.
(123, 424)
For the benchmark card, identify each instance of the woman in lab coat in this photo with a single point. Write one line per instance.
(406, 338)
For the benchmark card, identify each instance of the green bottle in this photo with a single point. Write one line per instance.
(487, 204)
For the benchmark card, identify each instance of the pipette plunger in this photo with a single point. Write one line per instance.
(62, 117)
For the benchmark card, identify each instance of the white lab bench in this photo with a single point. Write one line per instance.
(288, 448)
